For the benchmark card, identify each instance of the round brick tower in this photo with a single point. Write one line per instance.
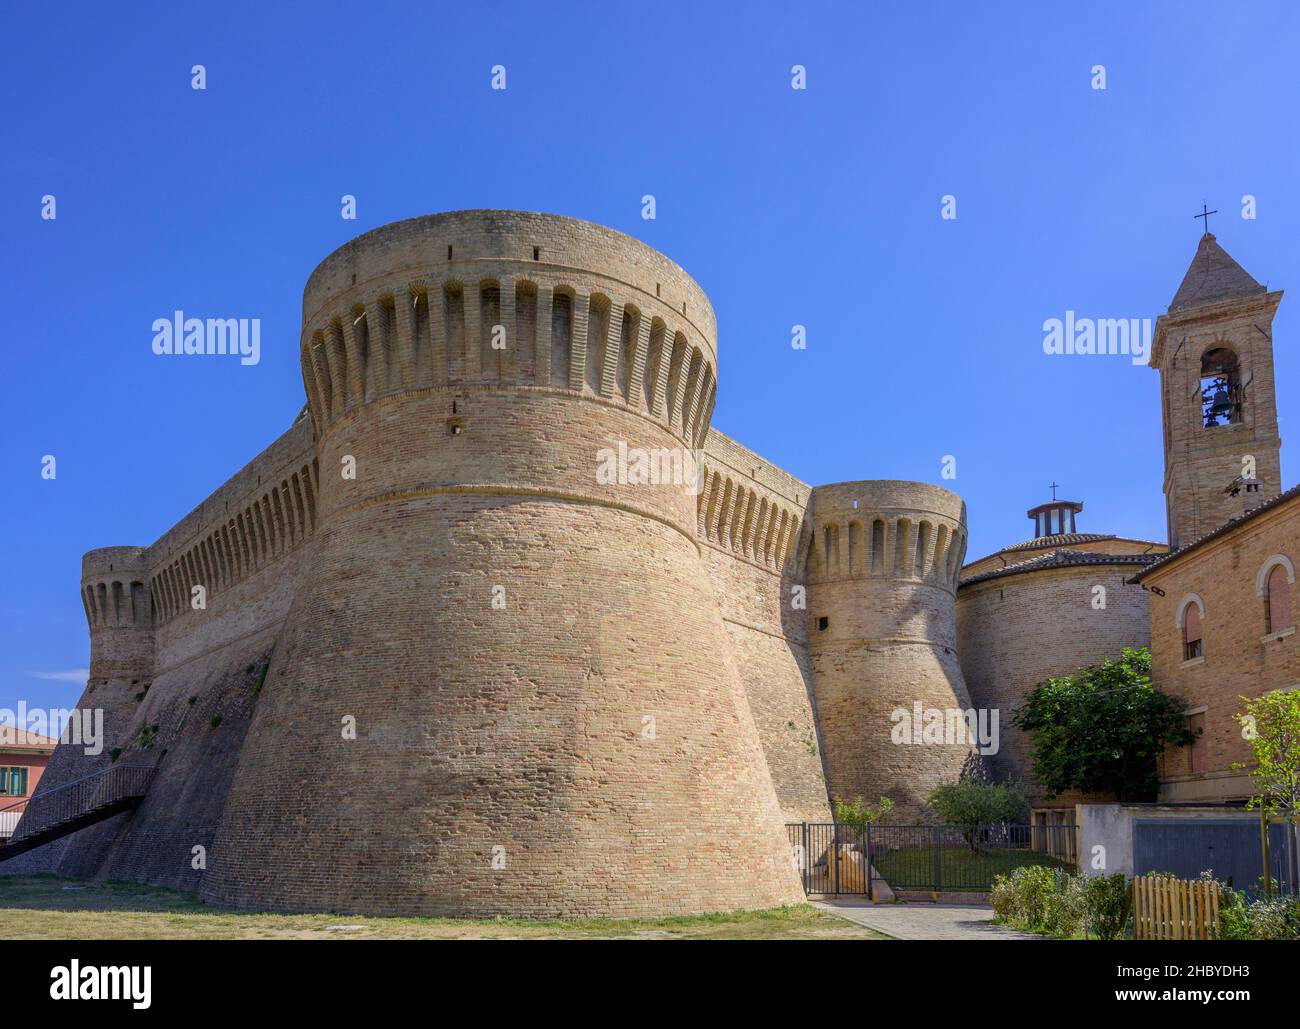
(882, 578)
(115, 594)
(504, 687)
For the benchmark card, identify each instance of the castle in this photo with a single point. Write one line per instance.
(421, 657)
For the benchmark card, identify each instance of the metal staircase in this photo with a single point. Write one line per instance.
(75, 805)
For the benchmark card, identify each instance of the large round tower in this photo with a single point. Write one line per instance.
(882, 577)
(504, 687)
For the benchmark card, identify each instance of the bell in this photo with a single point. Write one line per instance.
(1220, 407)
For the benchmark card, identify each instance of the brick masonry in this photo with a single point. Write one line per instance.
(1242, 656)
(1022, 627)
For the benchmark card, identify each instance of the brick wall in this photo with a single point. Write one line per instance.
(1241, 658)
(1016, 631)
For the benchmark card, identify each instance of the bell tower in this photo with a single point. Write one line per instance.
(1214, 351)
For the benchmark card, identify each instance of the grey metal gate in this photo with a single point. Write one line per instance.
(1229, 848)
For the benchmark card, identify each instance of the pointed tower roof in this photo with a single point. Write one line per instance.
(1212, 277)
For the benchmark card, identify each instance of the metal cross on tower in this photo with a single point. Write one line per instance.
(1206, 215)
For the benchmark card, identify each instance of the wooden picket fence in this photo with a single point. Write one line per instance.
(1175, 909)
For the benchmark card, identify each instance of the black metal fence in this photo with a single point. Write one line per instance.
(833, 858)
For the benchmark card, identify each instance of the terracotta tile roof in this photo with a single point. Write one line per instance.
(11, 736)
(1223, 529)
(1062, 559)
(1061, 539)
(1213, 276)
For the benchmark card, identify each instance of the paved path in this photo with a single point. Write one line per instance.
(924, 921)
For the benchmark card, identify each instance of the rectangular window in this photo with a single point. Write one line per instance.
(13, 782)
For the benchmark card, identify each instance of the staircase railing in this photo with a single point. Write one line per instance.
(119, 782)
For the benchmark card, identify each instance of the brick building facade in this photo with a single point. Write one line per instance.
(1222, 626)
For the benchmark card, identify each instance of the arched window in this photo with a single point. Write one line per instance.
(1220, 388)
(1190, 613)
(1277, 600)
(1273, 583)
(1192, 644)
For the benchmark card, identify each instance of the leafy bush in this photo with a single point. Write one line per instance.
(1109, 898)
(1268, 918)
(1275, 919)
(1062, 904)
(858, 813)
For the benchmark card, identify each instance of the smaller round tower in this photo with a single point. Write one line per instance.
(115, 594)
(882, 580)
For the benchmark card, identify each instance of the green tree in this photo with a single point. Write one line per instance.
(1271, 725)
(979, 803)
(971, 803)
(1102, 729)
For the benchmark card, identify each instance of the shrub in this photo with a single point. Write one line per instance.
(858, 813)
(1109, 898)
(1234, 915)
(1276, 918)
(1268, 918)
(1062, 904)
(1024, 898)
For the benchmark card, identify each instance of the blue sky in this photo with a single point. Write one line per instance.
(818, 207)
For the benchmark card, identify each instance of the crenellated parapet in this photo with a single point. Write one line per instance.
(120, 612)
(748, 521)
(888, 529)
(502, 299)
(226, 549)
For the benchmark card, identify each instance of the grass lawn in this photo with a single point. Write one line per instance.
(912, 868)
(47, 907)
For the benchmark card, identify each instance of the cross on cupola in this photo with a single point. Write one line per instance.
(1056, 517)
